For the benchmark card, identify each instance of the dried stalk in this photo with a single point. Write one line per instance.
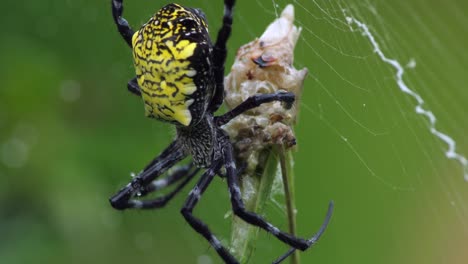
(264, 136)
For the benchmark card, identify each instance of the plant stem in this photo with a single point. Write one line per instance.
(244, 235)
(287, 174)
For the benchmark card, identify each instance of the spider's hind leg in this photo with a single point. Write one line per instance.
(122, 24)
(133, 87)
(220, 53)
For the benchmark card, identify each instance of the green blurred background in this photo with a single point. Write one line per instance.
(71, 134)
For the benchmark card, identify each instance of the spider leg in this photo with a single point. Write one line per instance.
(254, 219)
(255, 101)
(133, 87)
(175, 175)
(163, 200)
(197, 224)
(219, 55)
(313, 239)
(168, 158)
(122, 24)
(240, 170)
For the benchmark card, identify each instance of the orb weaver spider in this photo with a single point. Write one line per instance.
(179, 76)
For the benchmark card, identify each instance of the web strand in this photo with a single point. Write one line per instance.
(450, 153)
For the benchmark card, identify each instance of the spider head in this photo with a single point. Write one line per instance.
(173, 57)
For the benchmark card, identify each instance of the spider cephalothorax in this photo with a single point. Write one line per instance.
(180, 77)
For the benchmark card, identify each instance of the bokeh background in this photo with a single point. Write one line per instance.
(71, 134)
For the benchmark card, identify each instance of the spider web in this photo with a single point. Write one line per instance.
(382, 118)
(382, 132)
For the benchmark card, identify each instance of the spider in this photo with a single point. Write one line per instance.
(179, 76)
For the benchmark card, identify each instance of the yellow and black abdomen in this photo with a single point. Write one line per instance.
(172, 56)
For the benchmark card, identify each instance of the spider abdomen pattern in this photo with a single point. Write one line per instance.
(180, 77)
(172, 57)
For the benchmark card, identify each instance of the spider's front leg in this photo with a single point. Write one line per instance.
(168, 158)
(238, 208)
(197, 224)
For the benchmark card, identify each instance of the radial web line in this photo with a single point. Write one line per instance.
(340, 105)
(450, 153)
(354, 150)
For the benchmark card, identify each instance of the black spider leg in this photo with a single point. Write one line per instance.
(197, 224)
(163, 200)
(240, 170)
(255, 101)
(174, 176)
(254, 219)
(133, 87)
(168, 158)
(122, 25)
(126, 32)
(313, 239)
(219, 56)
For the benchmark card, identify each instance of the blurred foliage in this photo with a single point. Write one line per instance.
(70, 134)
